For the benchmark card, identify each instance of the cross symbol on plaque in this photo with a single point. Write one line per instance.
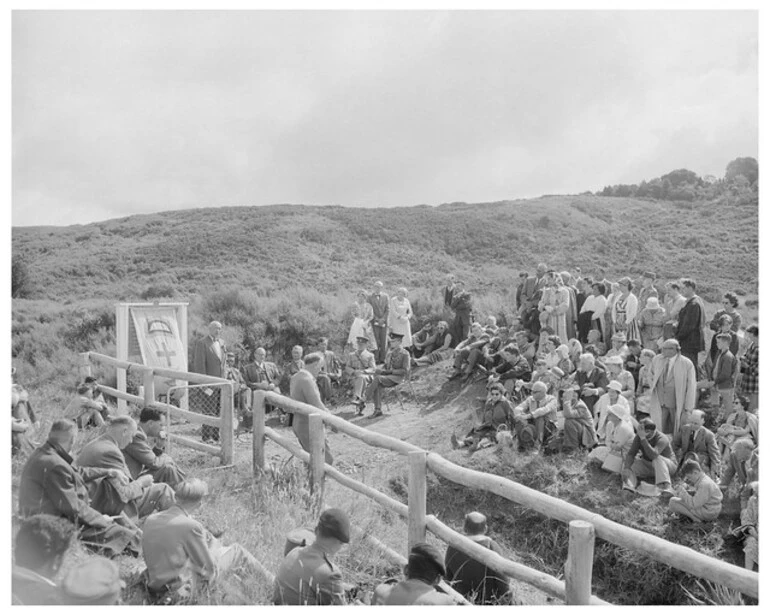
(166, 353)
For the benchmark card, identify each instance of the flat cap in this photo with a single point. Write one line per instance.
(334, 522)
(424, 552)
(94, 581)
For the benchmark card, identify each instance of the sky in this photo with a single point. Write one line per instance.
(117, 113)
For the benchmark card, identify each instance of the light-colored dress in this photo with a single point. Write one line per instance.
(362, 324)
(644, 389)
(558, 300)
(398, 319)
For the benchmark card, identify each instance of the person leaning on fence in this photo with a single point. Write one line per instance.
(535, 417)
(209, 357)
(113, 496)
(650, 455)
(470, 577)
(181, 555)
(51, 485)
(303, 388)
(392, 373)
(307, 575)
(142, 458)
(360, 369)
(423, 572)
(41, 544)
(705, 501)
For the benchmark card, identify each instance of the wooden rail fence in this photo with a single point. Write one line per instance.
(583, 525)
(224, 421)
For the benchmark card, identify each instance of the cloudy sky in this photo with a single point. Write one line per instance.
(118, 113)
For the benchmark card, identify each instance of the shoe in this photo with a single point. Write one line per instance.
(455, 443)
(377, 412)
(360, 406)
(455, 376)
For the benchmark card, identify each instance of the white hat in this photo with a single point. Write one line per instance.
(615, 386)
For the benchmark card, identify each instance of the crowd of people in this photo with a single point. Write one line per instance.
(586, 365)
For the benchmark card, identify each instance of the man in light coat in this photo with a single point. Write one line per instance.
(303, 388)
(674, 390)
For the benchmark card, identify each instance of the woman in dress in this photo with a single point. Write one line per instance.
(399, 315)
(609, 325)
(553, 307)
(362, 321)
(647, 290)
(651, 321)
(624, 310)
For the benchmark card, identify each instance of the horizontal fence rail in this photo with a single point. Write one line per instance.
(674, 555)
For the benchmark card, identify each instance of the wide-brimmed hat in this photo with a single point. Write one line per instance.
(615, 386)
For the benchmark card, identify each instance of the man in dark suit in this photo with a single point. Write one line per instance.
(530, 295)
(694, 441)
(692, 319)
(724, 373)
(209, 357)
(137, 498)
(381, 307)
(51, 485)
(141, 458)
(471, 577)
(303, 388)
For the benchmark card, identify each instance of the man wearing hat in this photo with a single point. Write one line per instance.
(307, 575)
(535, 417)
(650, 455)
(423, 571)
(392, 373)
(303, 387)
(470, 577)
(360, 369)
(380, 303)
(673, 387)
(95, 581)
(578, 423)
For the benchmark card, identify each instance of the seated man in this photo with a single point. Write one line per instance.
(83, 409)
(261, 375)
(291, 368)
(41, 543)
(392, 373)
(307, 575)
(592, 380)
(740, 423)
(696, 442)
(423, 342)
(94, 581)
(181, 555)
(111, 496)
(497, 413)
(330, 372)
(738, 465)
(423, 572)
(468, 351)
(472, 578)
(705, 503)
(595, 341)
(650, 455)
(514, 367)
(578, 422)
(142, 459)
(441, 348)
(50, 485)
(360, 368)
(98, 397)
(619, 348)
(535, 417)
(241, 391)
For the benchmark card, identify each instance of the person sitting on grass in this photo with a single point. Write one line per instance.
(423, 342)
(619, 348)
(750, 520)
(618, 436)
(600, 413)
(183, 557)
(541, 374)
(704, 503)
(497, 414)
(740, 423)
(535, 418)
(41, 544)
(527, 346)
(468, 352)
(514, 367)
(738, 465)
(578, 422)
(696, 442)
(592, 380)
(142, 458)
(360, 369)
(84, 410)
(441, 348)
(615, 371)
(423, 572)
(650, 455)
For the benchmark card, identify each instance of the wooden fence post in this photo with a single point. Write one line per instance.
(258, 432)
(149, 386)
(226, 423)
(317, 453)
(580, 562)
(84, 367)
(418, 467)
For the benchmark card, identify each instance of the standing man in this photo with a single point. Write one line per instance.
(462, 305)
(520, 288)
(380, 303)
(303, 388)
(692, 319)
(209, 356)
(392, 373)
(673, 388)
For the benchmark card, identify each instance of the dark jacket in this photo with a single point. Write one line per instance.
(689, 332)
(472, 578)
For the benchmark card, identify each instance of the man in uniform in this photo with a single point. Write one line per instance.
(307, 575)
(141, 458)
(209, 356)
(303, 388)
(423, 572)
(360, 367)
(50, 485)
(472, 578)
(392, 373)
(111, 496)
